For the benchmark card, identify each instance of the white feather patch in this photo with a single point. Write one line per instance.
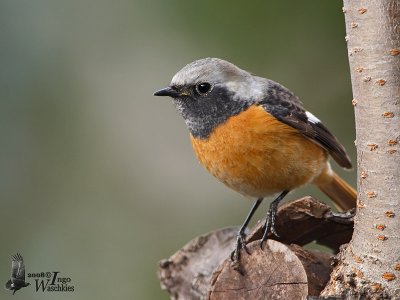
(246, 89)
(311, 118)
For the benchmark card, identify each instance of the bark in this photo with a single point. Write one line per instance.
(370, 265)
(187, 274)
(202, 268)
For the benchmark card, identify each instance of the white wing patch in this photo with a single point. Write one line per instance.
(311, 118)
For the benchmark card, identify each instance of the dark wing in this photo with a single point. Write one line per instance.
(287, 108)
(17, 267)
(8, 285)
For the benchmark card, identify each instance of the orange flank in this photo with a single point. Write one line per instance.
(257, 155)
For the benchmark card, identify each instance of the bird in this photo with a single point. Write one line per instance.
(17, 280)
(255, 136)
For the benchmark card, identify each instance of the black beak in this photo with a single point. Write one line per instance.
(168, 91)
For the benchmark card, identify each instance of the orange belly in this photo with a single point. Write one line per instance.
(256, 155)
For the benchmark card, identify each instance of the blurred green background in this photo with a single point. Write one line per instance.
(97, 178)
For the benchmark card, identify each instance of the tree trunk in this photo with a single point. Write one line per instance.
(369, 266)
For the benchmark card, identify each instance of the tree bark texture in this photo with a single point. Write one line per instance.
(370, 265)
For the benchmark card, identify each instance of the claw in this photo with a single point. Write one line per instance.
(269, 226)
(240, 245)
(238, 267)
(236, 254)
(346, 217)
(262, 245)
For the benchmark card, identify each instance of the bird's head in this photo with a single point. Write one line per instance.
(208, 91)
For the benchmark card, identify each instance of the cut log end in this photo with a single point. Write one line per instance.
(277, 271)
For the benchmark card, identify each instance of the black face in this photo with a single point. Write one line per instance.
(204, 106)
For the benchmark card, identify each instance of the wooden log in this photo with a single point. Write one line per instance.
(187, 274)
(277, 271)
(282, 270)
(306, 220)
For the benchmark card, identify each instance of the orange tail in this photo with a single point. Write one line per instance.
(342, 194)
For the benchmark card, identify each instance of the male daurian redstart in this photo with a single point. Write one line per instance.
(255, 136)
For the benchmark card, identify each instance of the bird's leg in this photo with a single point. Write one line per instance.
(241, 236)
(269, 224)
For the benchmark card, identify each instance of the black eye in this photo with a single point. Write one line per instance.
(203, 88)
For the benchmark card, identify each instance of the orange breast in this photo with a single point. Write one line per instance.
(257, 155)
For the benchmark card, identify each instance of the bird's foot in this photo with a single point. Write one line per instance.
(269, 226)
(346, 217)
(236, 254)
